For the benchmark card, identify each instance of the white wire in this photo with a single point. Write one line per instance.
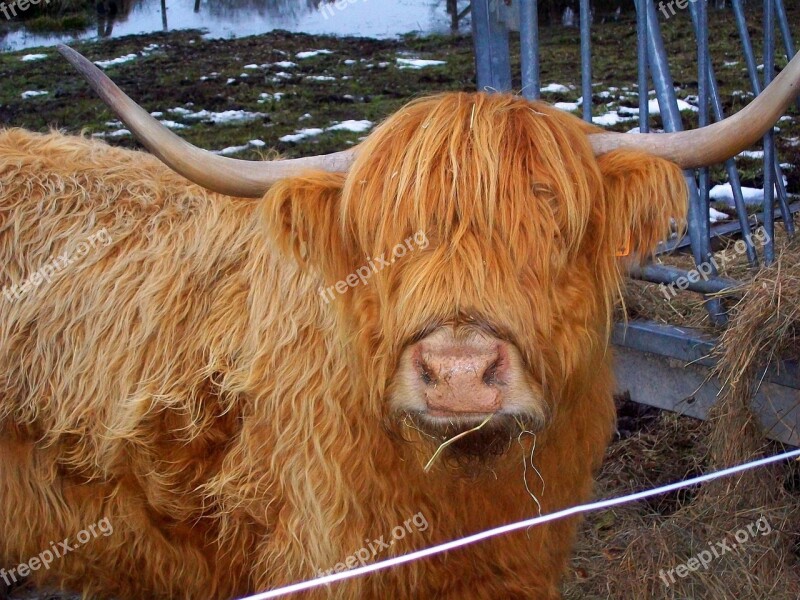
(399, 560)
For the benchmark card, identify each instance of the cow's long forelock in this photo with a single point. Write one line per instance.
(507, 193)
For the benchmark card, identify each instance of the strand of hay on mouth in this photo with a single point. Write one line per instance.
(624, 551)
(452, 440)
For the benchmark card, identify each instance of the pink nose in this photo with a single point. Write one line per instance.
(462, 377)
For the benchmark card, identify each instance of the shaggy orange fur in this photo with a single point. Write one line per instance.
(188, 382)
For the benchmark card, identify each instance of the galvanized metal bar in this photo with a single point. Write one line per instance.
(730, 164)
(786, 33)
(586, 59)
(529, 49)
(490, 42)
(670, 116)
(672, 280)
(755, 83)
(720, 230)
(685, 387)
(769, 148)
(689, 345)
(747, 46)
(700, 14)
(641, 57)
(698, 225)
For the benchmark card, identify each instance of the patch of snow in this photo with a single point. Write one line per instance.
(285, 64)
(218, 118)
(213, 75)
(150, 47)
(236, 149)
(786, 165)
(224, 117)
(156, 114)
(281, 75)
(244, 75)
(611, 118)
(320, 78)
(301, 134)
(304, 117)
(636, 130)
(113, 134)
(230, 80)
(30, 57)
(350, 61)
(33, 94)
(232, 150)
(351, 125)
(730, 63)
(418, 63)
(310, 53)
(569, 106)
(265, 97)
(755, 154)
(724, 193)
(253, 66)
(715, 215)
(653, 107)
(383, 65)
(554, 88)
(172, 124)
(104, 64)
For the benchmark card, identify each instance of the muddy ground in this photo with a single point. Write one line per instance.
(361, 79)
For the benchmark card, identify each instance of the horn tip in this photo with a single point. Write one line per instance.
(65, 51)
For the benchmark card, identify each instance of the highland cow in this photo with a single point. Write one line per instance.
(188, 384)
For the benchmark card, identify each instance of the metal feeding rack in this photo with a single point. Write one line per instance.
(662, 365)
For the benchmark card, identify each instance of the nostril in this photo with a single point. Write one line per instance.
(425, 373)
(490, 374)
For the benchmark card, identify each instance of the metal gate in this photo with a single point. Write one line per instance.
(662, 365)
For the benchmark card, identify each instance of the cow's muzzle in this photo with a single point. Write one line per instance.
(453, 379)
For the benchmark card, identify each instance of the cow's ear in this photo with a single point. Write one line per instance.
(303, 214)
(645, 197)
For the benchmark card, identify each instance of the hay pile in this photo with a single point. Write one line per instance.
(628, 552)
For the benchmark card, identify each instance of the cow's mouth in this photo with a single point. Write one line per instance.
(467, 437)
(466, 389)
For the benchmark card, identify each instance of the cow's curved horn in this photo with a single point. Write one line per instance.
(245, 178)
(722, 140)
